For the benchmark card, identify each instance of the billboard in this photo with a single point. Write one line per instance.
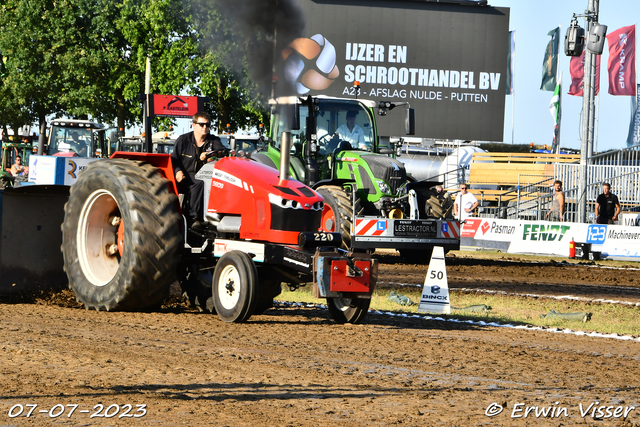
(176, 106)
(448, 61)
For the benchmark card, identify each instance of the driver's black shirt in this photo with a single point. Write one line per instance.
(186, 154)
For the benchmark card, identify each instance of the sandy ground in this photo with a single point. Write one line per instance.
(295, 367)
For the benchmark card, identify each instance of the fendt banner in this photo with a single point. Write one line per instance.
(448, 61)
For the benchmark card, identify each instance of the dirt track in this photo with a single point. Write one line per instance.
(293, 366)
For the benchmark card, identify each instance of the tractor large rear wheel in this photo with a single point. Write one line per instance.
(347, 310)
(337, 215)
(121, 236)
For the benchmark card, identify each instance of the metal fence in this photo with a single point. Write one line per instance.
(532, 202)
(629, 156)
(620, 168)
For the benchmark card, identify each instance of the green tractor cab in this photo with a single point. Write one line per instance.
(335, 149)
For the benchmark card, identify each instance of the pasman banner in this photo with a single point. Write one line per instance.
(576, 68)
(550, 63)
(622, 61)
(511, 59)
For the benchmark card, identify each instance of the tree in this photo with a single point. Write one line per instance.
(80, 58)
(30, 37)
(110, 60)
(88, 58)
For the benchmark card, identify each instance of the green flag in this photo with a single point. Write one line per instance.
(554, 107)
(550, 63)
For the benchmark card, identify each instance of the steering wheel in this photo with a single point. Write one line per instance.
(329, 142)
(343, 145)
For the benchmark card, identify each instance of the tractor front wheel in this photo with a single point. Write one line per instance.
(235, 287)
(347, 310)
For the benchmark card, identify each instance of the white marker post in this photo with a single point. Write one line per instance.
(435, 294)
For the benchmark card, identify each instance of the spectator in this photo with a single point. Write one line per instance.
(465, 203)
(18, 169)
(607, 206)
(188, 157)
(558, 204)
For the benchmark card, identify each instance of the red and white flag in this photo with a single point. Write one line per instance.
(576, 68)
(622, 61)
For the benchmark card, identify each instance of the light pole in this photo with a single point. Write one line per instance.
(588, 113)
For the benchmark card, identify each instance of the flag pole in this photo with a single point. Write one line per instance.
(559, 114)
(597, 121)
(588, 113)
(559, 81)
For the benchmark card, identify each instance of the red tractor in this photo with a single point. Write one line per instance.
(125, 241)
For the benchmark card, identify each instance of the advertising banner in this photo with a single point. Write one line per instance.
(448, 61)
(622, 61)
(176, 106)
(50, 170)
(614, 240)
(501, 230)
(46, 170)
(630, 219)
(73, 168)
(576, 68)
(552, 238)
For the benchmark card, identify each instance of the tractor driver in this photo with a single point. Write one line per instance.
(188, 157)
(79, 146)
(351, 132)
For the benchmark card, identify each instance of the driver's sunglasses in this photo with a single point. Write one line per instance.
(205, 124)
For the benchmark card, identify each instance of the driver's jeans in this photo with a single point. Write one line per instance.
(193, 204)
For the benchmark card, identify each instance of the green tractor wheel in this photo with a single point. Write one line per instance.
(337, 215)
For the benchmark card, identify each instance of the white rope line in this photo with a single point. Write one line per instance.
(560, 264)
(556, 297)
(477, 322)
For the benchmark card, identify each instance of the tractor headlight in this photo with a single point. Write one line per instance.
(383, 186)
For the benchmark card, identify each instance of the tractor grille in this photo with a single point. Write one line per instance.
(387, 169)
(288, 219)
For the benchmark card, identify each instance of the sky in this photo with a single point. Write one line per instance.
(532, 21)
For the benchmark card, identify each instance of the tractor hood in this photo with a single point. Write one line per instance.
(270, 209)
(373, 167)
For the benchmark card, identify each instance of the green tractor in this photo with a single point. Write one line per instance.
(368, 196)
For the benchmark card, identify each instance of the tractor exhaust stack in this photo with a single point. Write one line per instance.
(285, 155)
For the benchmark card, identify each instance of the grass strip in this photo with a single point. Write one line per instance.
(606, 318)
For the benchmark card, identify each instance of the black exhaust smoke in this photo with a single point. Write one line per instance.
(242, 33)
